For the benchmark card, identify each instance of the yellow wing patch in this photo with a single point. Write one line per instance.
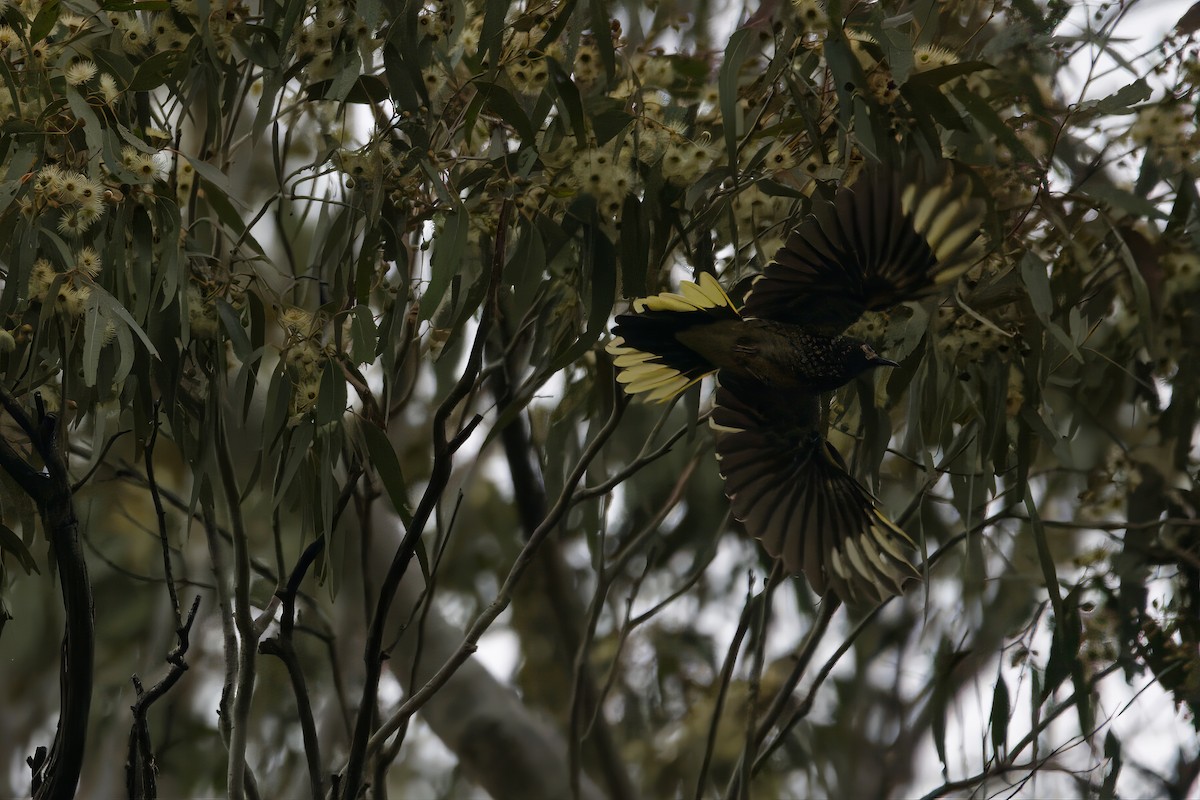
(643, 372)
(639, 373)
(691, 297)
(949, 218)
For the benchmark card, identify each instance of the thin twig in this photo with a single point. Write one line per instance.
(79, 484)
(140, 768)
(178, 503)
(739, 785)
(443, 455)
(160, 515)
(504, 596)
(1008, 764)
(632, 467)
(829, 607)
(726, 676)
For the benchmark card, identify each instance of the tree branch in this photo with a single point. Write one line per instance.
(443, 455)
(57, 775)
(498, 740)
(504, 596)
(140, 767)
(529, 491)
(242, 618)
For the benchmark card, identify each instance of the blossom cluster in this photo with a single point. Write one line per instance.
(1169, 130)
(68, 292)
(78, 199)
(304, 356)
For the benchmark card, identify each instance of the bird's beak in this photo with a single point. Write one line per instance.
(880, 361)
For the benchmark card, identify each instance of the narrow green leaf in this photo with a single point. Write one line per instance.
(115, 64)
(232, 323)
(895, 45)
(331, 399)
(422, 558)
(983, 114)
(941, 693)
(1036, 698)
(491, 41)
(152, 73)
(1112, 751)
(275, 410)
(128, 354)
(601, 20)
(261, 45)
(44, 22)
(363, 335)
(1120, 199)
(272, 82)
(299, 441)
(448, 251)
(848, 78)
(1064, 651)
(93, 339)
(741, 44)
(1119, 102)
(351, 67)
(371, 11)
(473, 296)
(525, 270)
(367, 90)
(93, 131)
(21, 159)
(608, 123)
(938, 727)
(1037, 282)
(634, 248)
(403, 76)
(111, 306)
(926, 99)
(501, 101)
(1139, 257)
(225, 209)
(258, 320)
(12, 544)
(1049, 573)
(1001, 710)
(387, 466)
(566, 96)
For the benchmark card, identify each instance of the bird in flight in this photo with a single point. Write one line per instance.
(878, 243)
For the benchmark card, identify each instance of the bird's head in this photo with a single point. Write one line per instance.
(843, 360)
(862, 357)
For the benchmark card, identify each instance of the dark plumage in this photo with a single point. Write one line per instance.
(875, 245)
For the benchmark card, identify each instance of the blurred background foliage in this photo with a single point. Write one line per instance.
(249, 250)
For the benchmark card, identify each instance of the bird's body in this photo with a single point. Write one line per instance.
(779, 355)
(874, 246)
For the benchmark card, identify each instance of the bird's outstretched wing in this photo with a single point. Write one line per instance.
(791, 489)
(879, 243)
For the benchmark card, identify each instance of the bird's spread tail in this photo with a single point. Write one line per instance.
(792, 491)
(649, 357)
